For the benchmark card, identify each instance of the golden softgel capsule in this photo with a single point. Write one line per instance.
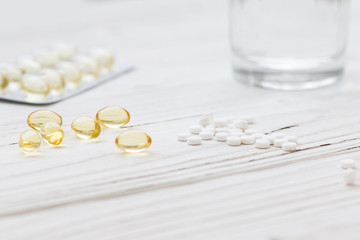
(133, 141)
(86, 127)
(103, 57)
(35, 84)
(113, 117)
(69, 72)
(54, 79)
(52, 133)
(37, 118)
(29, 141)
(3, 82)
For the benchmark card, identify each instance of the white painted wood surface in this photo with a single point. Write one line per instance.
(90, 190)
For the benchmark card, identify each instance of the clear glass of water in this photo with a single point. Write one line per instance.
(289, 44)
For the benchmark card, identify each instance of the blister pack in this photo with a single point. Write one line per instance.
(58, 73)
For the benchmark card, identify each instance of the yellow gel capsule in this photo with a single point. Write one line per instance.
(69, 72)
(11, 73)
(86, 127)
(87, 65)
(103, 57)
(54, 79)
(52, 133)
(4, 82)
(133, 141)
(29, 141)
(28, 65)
(35, 84)
(37, 118)
(113, 117)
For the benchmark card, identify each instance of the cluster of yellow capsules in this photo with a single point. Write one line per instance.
(47, 125)
(50, 71)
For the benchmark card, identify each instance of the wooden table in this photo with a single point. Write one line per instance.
(90, 190)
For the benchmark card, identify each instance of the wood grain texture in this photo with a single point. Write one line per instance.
(90, 190)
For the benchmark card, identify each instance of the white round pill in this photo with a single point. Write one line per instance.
(278, 135)
(289, 146)
(206, 119)
(239, 134)
(348, 163)
(195, 129)
(206, 135)
(210, 116)
(230, 119)
(183, 136)
(222, 129)
(270, 138)
(204, 122)
(241, 123)
(220, 122)
(210, 129)
(221, 137)
(233, 141)
(349, 176)
(247, 139)
(194, 140)
(258, 135)
(235, 130)
(248, 118)
(251, 131)
(262, 143)
(278, 142)
(292, 138)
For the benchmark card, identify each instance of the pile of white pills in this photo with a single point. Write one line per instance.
(235, 132)
(349, 166)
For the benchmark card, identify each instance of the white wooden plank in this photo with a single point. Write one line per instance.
(89, 190)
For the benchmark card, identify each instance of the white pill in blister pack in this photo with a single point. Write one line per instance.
(28, 65)
(30, 75)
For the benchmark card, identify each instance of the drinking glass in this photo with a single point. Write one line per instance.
(288, 44)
